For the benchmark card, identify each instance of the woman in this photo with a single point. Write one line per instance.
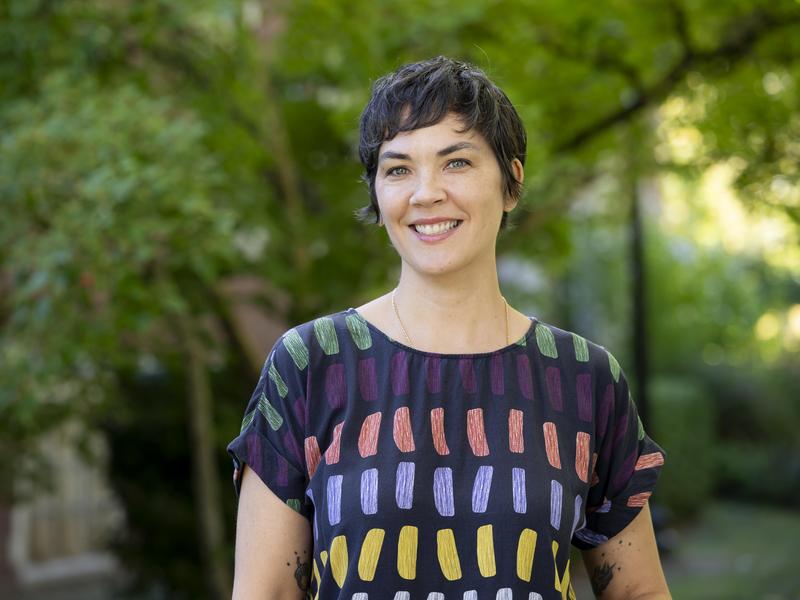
(435, 442)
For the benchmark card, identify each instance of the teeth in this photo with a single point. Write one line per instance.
(436, 228)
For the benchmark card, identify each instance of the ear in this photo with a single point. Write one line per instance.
(519, 174)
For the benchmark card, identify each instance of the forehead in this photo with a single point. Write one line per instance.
(446, 132)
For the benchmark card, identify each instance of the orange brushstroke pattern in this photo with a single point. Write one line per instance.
(646, 461)
(312, 454)
(332, 453)
(582, 456)
(476, 433)
(368, 438)
(403, 437)
(516, 442)
(551, 444)
(638, 499)
(437, 431)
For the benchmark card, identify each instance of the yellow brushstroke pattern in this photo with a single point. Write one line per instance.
(486, 564)
(526, 547)
(317, 577)
(566, 585)
(448, 554)
(324, 558)
(407, 552)
(562, 584)
(339, 559)
(555, 566)
(370, 552)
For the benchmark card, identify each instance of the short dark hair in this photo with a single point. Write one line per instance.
(420, 95)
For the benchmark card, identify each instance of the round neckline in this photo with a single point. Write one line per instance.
(381, 334)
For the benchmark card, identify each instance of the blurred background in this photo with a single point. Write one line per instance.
(177, 187)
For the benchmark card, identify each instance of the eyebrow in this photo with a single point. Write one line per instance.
(443, 152)
(455, 148)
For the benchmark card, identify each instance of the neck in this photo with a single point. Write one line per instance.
(462, 312)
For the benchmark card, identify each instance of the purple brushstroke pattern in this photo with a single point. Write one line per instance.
(399, 375)
(518, 485)
(367, 379)
(404, 489)
(335, 390)
(443, 491)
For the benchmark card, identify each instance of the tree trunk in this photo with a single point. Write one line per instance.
(638, 294)
(204, 473)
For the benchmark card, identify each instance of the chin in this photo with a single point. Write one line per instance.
(433, 267)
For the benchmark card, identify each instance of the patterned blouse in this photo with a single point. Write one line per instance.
(434, 476)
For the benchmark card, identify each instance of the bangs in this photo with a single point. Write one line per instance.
(401, 104)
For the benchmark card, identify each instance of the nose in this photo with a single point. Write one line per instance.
(429, 190)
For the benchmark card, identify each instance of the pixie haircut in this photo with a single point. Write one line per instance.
(421, 94)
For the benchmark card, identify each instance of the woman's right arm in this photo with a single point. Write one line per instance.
(273, 545)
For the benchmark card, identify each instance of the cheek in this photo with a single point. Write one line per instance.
(389, 199)
(380, 198)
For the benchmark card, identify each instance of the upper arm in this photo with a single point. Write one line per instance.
(273, 545)
(275, 512)
(617, 535)
(627, 565)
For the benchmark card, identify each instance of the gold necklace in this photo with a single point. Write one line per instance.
(399, 320)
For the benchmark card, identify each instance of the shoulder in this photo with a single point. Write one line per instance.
(324, 333)
(569, 347)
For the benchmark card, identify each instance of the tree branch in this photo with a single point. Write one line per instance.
(732, 50)
(604, 62)
(681, 25)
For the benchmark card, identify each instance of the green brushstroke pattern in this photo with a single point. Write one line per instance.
(272, 416)
(248, 418)
(294, 503)
(581, 349)
(296, 348)
(546, 341)
(359, 331)
(278, 380)
(612, 362)
(326, 335)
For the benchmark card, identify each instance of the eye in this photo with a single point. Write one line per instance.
(458, 163)
(396, 171)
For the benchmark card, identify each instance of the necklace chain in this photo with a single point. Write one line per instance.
(399, 320)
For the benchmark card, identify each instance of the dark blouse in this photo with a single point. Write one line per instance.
(446, 475)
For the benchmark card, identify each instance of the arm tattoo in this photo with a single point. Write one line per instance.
(302, 574)
(601, 578)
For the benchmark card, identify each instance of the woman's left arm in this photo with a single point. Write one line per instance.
(627, 566)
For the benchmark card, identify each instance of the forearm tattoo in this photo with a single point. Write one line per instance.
(601, 577)
(302, 572)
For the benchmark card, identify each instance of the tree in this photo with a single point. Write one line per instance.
(151, 148)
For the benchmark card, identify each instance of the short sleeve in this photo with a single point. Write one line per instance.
(627, 463)
(273, 427)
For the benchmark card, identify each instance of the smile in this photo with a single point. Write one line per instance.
(436, 228)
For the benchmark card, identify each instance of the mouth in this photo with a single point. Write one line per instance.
(436, 228)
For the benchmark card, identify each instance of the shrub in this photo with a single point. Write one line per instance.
(682, 422)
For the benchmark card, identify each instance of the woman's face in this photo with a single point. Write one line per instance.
(438, 176)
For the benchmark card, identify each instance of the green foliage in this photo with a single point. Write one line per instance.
(116, 214)
(757, 455)
(701, 298)
(682, 418)
(149, 148)
(760, 472)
